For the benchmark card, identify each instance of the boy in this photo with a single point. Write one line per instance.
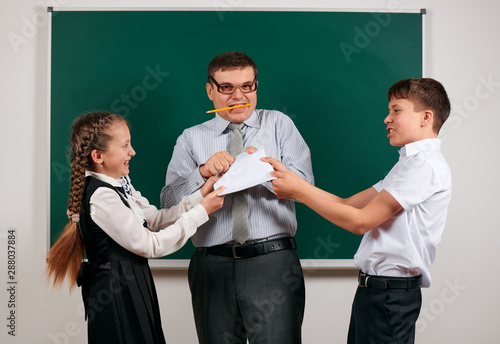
(402, 217)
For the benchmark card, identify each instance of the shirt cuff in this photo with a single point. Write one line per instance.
(195, 179)
(199, 215)
(195, 197)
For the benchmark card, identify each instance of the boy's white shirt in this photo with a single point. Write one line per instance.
(405, 245)
(168, 229)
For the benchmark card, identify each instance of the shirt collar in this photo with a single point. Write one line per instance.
(424, 145)
(103, 178)
(220, 124)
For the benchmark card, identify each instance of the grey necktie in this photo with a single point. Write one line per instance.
(240, 211)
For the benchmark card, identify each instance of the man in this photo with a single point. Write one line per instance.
(252, 286)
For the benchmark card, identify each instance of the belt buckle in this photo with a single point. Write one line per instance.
(365, 285)
(234, 252)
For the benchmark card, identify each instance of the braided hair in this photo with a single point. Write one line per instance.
(89, 133)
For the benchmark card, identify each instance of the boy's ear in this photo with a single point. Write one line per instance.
(96, 157)
(427, 118)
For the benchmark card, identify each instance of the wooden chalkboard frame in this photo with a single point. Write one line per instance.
(362, 45)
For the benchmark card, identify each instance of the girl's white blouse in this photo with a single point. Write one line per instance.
(168, 229)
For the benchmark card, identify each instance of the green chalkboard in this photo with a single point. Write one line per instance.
(329, 71)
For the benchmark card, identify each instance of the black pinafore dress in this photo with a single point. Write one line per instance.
(121, 305)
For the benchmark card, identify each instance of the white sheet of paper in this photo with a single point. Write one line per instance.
(246, 171)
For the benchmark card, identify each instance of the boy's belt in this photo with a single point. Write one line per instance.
(386, 282)
(250, 250)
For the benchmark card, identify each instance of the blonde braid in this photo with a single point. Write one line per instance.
(67, 253)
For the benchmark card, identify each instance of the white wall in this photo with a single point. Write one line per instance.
(460, 307)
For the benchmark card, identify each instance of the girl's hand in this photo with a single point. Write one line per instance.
(212, 202)
(208, 187)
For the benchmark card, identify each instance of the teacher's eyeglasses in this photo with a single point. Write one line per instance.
(246, 87)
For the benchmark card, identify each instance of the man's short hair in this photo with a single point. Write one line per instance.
(228, 61)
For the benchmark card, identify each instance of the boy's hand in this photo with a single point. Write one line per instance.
(212, 202)
(280, 167)
(287, 184)
(276, 164)
(208, 187)
(217, 163)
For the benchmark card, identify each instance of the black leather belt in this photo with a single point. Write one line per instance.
(386, 282)
(250, 250)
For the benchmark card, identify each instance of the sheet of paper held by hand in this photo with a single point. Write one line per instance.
(246, 171)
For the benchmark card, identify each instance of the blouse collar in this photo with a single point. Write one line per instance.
(104, 178)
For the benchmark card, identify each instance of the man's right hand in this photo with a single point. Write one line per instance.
(218, 163)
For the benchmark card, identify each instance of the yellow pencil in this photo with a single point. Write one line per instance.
(229, 108)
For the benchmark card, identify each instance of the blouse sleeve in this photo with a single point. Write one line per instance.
(159, 219)
(119, 222)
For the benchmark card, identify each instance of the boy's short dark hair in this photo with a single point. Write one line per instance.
(228, 61)
(425, 93)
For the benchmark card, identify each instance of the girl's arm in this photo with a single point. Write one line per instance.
(159, 219)
(119, 222)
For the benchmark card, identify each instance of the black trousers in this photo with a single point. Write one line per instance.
(384, 316)
(260, 298)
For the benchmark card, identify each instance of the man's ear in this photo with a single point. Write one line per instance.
(209, 91)
(96, 157)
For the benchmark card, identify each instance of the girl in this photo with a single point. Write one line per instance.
(118, 230)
